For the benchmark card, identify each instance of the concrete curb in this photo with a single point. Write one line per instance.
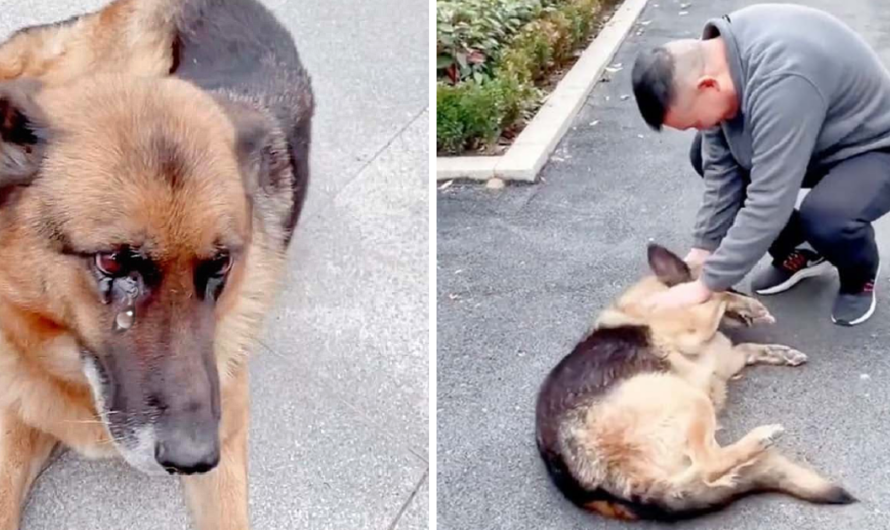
(529, 152)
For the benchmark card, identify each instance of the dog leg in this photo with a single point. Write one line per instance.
(217, 500)
(774, 472)
(716, 465)
(771, 354)
(725, 464)
(746, 311)
(23, 453)
(717, 474)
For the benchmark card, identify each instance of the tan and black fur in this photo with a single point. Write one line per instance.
(626, 422)
(153, 165)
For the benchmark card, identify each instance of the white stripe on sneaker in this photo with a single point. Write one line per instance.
(797, 277)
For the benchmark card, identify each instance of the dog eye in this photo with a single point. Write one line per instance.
(210, 277)
(220, 265)
(110, 263)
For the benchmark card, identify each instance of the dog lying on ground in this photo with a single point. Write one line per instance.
(153, 165)
(626, 422)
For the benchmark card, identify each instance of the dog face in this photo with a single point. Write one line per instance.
(686, 329)
(125, 222)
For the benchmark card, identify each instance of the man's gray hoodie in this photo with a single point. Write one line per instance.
(811, 93)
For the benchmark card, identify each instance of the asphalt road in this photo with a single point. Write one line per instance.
(522, 271)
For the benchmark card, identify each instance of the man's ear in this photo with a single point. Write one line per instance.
(708, 82)
(23, 133)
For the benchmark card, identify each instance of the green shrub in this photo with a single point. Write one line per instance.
(487, 87)
(472, 114)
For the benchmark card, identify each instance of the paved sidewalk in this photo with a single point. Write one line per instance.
(522, 271)
(339, 436)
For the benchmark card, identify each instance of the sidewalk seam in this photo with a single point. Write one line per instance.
(407, 503)
(330, 199)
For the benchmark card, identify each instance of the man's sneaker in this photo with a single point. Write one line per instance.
(855, 308)
(785, 274)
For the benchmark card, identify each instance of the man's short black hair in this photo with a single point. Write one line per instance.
(653, 84)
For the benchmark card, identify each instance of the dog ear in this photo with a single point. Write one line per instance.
(23, 133)
(256, 149)
(667, 266)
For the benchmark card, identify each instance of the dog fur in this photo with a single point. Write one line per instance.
(153, 166)
(626, 422)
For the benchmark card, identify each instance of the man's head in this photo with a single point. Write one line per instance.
(684, 84)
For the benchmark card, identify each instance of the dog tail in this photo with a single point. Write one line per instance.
(777, 473)
(596, 500)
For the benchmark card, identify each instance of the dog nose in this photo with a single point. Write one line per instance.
(188, 455)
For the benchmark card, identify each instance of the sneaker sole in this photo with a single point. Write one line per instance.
(797, 277)
(861, 319)
(871, 310)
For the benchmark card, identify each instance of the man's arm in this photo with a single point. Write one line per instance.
(724, 191)
(787, 113)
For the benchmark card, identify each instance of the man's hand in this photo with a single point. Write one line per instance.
(680, 296)
(697, 256)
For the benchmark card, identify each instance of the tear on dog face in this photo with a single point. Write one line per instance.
(126, 222)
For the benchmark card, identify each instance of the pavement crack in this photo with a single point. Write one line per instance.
(407, 503)
(422, 458)
(329, 200)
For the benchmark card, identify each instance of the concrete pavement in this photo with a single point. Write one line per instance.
(339, 434)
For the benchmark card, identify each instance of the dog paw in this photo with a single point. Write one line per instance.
(789, 356)
(766, 319)
(768, 435)
(758, 315)
(752, 313)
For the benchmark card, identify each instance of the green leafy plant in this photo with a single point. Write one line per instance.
(493, 56)
(471, 33)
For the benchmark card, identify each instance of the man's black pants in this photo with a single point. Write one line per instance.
(836, 216)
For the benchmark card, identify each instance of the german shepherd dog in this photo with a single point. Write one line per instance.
(626, 422)
(153, 165)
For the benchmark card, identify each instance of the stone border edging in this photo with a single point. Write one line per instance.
(531, 149)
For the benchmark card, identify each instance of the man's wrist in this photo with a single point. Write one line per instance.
(704, 287)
